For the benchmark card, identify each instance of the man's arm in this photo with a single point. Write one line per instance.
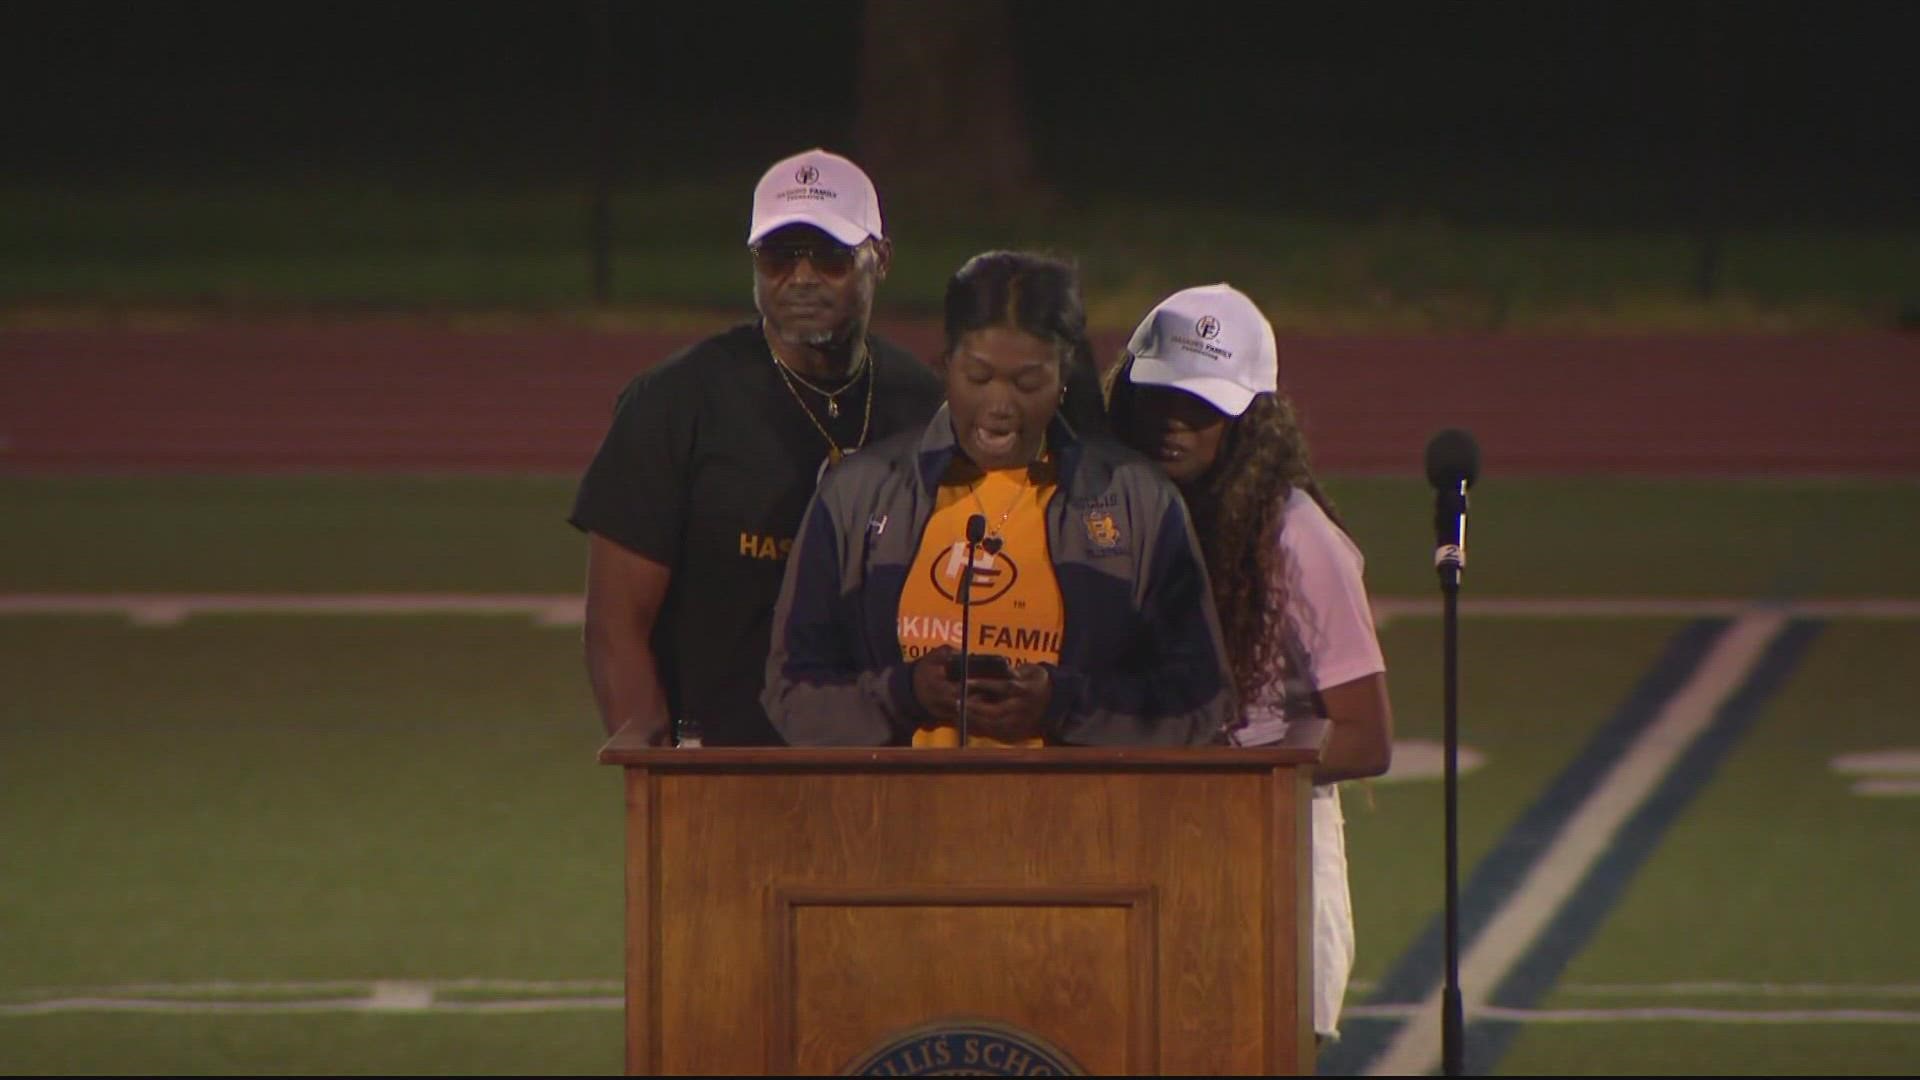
(817, 693)
(624, 592)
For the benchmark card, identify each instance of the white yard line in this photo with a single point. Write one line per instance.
(1519, 921)
(283, 986)
(170, 609)
(1645, 1015)
(1887, 787)
(213, 987)
(614, 1004)
(1641, 607)
(379, 995)
(566, 609)
(409, 996)
(1741, 989)
(1711, 988)
(323, 1005)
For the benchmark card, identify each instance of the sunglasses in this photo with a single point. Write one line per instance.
(779, 260)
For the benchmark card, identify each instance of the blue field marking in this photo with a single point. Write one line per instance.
(1534, 977)
(1419, 970)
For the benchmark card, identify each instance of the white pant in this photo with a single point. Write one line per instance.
(1332, 911)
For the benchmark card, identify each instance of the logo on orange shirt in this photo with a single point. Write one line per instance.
(993, 574)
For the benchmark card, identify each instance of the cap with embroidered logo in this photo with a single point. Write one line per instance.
(1210, 341)
(820, 189)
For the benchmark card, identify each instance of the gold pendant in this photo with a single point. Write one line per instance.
(834, 455)
(833, 407)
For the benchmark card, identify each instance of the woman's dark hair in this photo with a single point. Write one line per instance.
(1039, 295)
(1237, 511)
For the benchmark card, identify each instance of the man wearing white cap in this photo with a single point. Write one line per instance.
(692, 502)
(1199, 393)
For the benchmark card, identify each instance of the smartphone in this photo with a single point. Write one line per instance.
(991, 665)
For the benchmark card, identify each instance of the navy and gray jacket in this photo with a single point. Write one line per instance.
(1141, 660)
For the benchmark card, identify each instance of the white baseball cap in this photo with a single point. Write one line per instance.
(1210, 341)
(819, 189)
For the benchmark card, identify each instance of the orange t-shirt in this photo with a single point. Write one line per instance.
(1016, 611)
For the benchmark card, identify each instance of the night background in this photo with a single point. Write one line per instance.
(311, 316)
(1611, 113)
(1692, 120)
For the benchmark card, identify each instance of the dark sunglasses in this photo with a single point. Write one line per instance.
(829, 260)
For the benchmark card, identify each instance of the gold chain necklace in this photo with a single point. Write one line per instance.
(834, 452)
(1040, 461)
(832, 396)
(998, 528)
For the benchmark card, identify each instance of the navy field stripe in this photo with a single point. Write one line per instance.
(1419, 970)
(1537, 972)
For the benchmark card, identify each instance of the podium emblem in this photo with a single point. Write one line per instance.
(964, 1046)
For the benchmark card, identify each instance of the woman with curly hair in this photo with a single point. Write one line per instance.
(1198, 393)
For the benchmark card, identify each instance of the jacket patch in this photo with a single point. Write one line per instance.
(1103, 532)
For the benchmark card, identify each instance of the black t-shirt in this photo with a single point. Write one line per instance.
(707, 469)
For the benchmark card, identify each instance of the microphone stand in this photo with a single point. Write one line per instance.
(1448, 561)
(976, 530)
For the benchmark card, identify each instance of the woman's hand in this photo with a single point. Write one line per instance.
(1009, 709)
(937, 694)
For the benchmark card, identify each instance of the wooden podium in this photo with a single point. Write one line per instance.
(1117, 911)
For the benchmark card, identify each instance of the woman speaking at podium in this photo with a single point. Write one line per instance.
(1063, 566)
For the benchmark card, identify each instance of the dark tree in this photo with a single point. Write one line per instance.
(940, 105)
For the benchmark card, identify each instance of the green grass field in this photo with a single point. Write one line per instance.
(239, 817)
(1593, 536)
(89, 252)
(272, 800)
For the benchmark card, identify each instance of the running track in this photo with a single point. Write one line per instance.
(377, 395)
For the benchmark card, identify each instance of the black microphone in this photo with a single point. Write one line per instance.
(976, 532)
(1453, 464)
